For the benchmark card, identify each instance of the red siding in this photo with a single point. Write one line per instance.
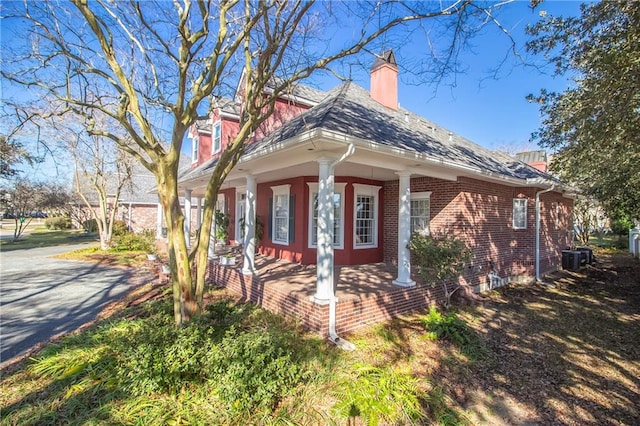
(299, 250)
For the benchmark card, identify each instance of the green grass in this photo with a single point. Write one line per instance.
(110, 257)
(610, 241)
(41, 237)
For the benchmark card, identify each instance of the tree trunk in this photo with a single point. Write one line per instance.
(185, 305)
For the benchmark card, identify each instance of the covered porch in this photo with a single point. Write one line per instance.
(365, 293)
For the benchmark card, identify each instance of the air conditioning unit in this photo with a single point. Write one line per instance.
(571, 260)
(587, 253)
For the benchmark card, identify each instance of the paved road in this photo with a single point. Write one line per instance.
(41, 297)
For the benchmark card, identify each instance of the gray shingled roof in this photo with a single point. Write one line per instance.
(300, 91)
(142, 188)
(349, 109)
(226, 105)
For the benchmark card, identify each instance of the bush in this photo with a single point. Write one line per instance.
(451, 328)
(140, 241)
(120, 228)
(254, 369)
(163, 358)
(90, 225)
(440, 259)
(58, 223)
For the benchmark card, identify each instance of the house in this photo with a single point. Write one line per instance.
(138, 205)
(344, 178)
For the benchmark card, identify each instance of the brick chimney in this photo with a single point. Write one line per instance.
(536, 159)
(384, 80)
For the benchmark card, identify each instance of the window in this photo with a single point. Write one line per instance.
(216, 138)
(365, 216)
(195, 145)
(520, 213)
(338, 214)
(555, 213)
(241, 197)
(420, 212)
(280, 214)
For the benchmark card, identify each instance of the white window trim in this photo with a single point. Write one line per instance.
(213, 135)
(240, 191)
(279, 190)
(518, 201)
(339, 188)
(195, 147)
(426, 195)
(373, 191)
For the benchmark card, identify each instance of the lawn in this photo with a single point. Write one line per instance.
(563, 353)
(41, 237)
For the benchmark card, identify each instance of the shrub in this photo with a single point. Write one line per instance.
(139, 241)
(90, 225)
(58, 223)
(254, 369)
(451, 328)
(120, 228)
(163, 358)
(440, 259)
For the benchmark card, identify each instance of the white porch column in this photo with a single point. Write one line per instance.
(187, 216)
(198, 212)
(211, 253)
(325, 260)
(159, 221)
(404, 231)
(249, 241)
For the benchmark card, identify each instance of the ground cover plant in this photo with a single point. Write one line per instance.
(564, 353)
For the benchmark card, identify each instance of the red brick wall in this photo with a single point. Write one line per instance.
(481, 214)
(351, 313)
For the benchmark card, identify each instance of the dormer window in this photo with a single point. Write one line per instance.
(216, 138)
(195, 145)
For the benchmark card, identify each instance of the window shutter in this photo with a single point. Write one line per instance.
(270, 223)
(292, 211)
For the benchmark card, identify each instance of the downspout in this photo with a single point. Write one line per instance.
(538, 278)
(333, 335)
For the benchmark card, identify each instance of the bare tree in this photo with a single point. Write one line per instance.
(101, 171)
(22, 200)
(152, 68)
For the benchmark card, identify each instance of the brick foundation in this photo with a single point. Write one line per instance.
(352, 312)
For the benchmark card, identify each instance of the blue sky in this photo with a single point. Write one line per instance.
(490, 110)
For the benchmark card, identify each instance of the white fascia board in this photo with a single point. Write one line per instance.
(229, 115)
(409, 155)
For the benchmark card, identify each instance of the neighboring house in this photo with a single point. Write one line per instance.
(138, 205)
(376, 173)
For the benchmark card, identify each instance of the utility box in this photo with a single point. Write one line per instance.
(571, 260)
(587, 254)
(634, 241)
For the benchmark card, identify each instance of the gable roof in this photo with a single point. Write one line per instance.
(348, 109)
(142, 188)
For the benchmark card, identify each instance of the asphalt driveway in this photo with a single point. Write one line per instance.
(41, 296)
